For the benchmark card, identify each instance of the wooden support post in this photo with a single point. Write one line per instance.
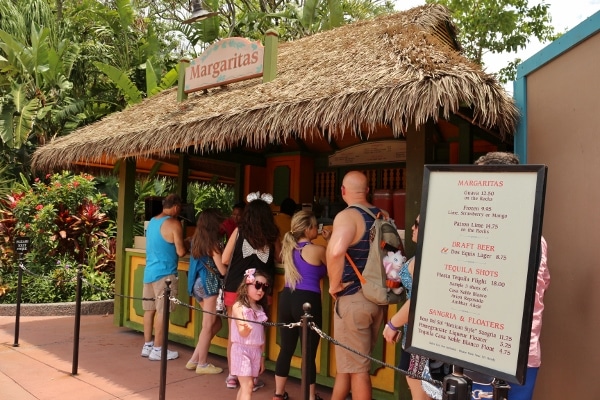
(419, 151)
(125, 220)
(270, 57)
(181, 94)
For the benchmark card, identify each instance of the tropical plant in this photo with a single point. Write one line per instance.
(64, 217)
(295, 19)
(211, 195)
(66, 221)
(132, 56)
(499, 26)
(58, 285)
(35, 101)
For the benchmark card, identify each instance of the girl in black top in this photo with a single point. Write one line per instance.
(254, 244)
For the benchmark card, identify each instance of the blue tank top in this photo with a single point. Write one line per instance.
(161, 256)
(311, 274)
(359, 253)
(406, 278)
(407, 282)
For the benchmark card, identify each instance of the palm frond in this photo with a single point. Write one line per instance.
(122, 81)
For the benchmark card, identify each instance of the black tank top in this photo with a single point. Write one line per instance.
(239, 264)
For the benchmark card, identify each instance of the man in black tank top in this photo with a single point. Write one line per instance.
(356, 320)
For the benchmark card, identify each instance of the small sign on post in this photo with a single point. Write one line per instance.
(22, 245)
(21, 248)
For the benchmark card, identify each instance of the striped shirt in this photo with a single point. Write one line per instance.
(359, 252)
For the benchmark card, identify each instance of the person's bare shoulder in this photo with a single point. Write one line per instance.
(347, 216)
(314, 254)
(173, 223)
(348, 226)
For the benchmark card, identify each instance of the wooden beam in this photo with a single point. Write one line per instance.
(182, 176)
(465, 143)
(497, 137)
(301, 144)
(235, 156)
(125, 220)
(419, 151)
(484, 134)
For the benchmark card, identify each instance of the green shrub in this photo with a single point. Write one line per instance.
(66, 220)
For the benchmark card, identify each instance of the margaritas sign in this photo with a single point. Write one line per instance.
(227, 61)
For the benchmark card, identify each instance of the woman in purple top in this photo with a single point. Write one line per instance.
(304, 265)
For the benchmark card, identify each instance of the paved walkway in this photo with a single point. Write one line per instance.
(109, 365)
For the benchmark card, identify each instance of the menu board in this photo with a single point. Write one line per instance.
(372, 152)
(476, 265)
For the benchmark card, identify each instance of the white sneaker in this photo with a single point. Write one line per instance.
(155, 355)
(146, 350)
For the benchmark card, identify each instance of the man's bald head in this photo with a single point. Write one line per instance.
(354, 186)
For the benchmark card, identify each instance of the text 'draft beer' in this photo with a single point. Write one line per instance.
(470, 261)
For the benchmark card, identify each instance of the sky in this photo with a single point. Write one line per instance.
(565, 14)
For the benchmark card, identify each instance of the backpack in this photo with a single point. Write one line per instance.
(383, 237)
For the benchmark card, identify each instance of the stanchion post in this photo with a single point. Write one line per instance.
(21, 248)
(77, 326)
(306, 364)
(163, 353)
(457, 386)
(18, 311)
(500, 389)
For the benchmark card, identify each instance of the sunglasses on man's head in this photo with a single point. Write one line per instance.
(261, 285)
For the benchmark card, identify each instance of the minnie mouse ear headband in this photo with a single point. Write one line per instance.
(266, 197)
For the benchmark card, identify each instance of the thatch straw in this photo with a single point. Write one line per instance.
(396, 70)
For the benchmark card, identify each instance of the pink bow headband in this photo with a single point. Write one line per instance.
(249, 274)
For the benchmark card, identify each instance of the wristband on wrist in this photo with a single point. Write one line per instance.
(392, 327)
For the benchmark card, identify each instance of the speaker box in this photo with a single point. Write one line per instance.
(152, 206)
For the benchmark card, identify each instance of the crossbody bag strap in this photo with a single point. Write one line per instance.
(209, 267)
(229, 264)
(354, 267)
(358, 274)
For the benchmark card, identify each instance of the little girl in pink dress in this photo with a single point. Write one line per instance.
(247, 333)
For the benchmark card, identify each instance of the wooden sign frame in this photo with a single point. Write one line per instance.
(476, 264)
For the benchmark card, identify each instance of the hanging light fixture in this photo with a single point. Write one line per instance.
(198, 12)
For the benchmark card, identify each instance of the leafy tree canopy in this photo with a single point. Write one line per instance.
(499, 26)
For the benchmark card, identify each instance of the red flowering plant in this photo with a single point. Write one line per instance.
(66, 220)
(7, 228)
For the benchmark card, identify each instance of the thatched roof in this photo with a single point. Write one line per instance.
(394, 71)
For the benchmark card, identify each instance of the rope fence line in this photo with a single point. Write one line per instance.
(315, 328)
(311, 325)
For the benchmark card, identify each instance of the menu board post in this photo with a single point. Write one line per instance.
(476, 263)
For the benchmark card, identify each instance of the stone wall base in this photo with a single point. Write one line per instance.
(47, 309)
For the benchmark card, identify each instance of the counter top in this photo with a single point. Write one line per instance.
(185, 258)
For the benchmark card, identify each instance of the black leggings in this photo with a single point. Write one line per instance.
(290, 310)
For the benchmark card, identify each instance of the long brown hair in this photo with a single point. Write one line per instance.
(207, 239)
(257, 225)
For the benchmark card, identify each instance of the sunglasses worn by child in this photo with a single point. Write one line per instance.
(261, 285)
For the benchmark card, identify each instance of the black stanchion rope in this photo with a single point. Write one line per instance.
(312, 325)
